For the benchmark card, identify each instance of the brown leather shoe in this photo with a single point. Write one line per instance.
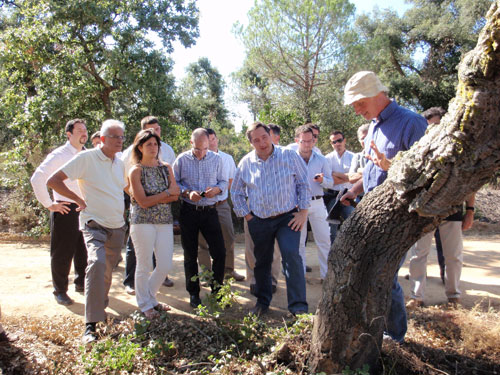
(235, 275)
(414, 303)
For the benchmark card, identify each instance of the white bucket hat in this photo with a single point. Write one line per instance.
(363, 84)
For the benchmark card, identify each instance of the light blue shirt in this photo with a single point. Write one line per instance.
(273, 186)
(193, 174)
(395, 129)
(318, 164)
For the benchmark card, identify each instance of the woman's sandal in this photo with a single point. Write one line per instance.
(162, 307)
(151, 313)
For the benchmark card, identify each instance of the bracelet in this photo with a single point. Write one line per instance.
(469, 208)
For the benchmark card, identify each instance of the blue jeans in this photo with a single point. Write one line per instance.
(396, 320)
(264, 232)
(345, 212)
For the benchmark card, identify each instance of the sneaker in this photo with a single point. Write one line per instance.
(168, 283)
(90, 335)
(129, 290)
(63, 299)
(258, 310)
(414, 303)
(194, 301)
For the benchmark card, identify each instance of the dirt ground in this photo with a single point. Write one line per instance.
(26, 287)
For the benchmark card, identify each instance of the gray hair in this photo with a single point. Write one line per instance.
(108, 124)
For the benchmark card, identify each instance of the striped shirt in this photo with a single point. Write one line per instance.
(396, 129)
(193, 174)
(273, 186)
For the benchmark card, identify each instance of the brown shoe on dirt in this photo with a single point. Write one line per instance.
(454, 301)
(414, 303)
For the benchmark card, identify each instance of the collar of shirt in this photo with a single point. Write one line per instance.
(255, 158)
(387, 112)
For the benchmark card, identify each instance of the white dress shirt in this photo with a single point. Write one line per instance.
(167, 154)
(51, 164)
(229, 169)
(341, 165)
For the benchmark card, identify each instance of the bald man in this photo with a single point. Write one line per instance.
(200, 175)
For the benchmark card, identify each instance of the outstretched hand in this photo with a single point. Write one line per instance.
(379, 159)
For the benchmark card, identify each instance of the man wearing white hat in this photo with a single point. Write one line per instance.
(392, 129)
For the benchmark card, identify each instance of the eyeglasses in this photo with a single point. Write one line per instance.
(120, 137)
(306, 142)
(337, 141)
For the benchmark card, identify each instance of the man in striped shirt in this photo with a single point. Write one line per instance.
(275, 182)
(200, 175)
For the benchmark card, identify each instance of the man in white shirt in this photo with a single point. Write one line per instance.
(167, 154)
(340, 161)
(101, 179)
(224, 212)
(319, 175)
(66, 240)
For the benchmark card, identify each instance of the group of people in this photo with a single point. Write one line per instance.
(277, 190)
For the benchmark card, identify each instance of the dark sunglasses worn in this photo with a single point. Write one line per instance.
(337, 141)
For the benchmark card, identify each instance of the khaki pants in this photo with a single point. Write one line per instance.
(451, 238)
(226, 225)
(104, 246)
(250, 258)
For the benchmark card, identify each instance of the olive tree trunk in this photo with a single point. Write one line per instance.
(451, 161)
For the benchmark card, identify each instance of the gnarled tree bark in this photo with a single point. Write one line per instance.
(451, 161)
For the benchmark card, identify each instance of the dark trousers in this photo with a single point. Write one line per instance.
(439, 250)
(66, 245)
(264, 232)
(130, 263)
(192, 222)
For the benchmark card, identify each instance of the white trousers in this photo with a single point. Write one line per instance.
(451, 238)
(149, 238)
(317, 218)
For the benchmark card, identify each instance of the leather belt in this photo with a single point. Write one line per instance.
(276, 216)
(199, 208)
(221, 202)
(317, 197)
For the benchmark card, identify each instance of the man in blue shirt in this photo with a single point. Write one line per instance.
(275, 182)
(201, 178)
(393, 129)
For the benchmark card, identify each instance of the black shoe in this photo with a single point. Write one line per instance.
(259, 310)
(274, 289)
(63, 299)
(79, 288)
(168, 283)
(308, 269)
(194, 301)
(90, 334)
